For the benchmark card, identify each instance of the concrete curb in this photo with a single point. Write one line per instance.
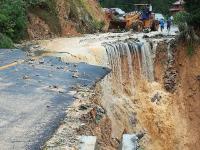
(129, 142)
(87, 143)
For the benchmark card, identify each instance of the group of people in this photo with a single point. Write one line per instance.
(162, 24)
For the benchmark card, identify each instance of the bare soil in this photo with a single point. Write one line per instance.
(186, 99)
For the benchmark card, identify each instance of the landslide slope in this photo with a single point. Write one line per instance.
(49, 18)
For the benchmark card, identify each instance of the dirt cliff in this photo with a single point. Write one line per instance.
(187, 98)
(51, 18)
(184, 100)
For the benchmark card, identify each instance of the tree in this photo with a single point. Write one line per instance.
(193, 8)
(12, 18)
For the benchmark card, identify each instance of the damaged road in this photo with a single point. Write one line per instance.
(34, 95)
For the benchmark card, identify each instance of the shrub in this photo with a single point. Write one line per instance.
(12, 18)
(98, 25)
(181, 18)
(188, 36)
(192, 7)
(5, 42)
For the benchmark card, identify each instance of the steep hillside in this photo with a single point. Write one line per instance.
(187, 98)
(51, 18)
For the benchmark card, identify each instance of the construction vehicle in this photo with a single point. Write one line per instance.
(140, 19)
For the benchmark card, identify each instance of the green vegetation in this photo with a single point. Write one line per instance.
(14, 17)
(46, 10)
(193, 8)
(189, 23)
(12, 21)
(189, 37)
(181, 17)
(5, 42)
(96, 25)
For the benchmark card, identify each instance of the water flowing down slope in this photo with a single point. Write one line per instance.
(137, 94)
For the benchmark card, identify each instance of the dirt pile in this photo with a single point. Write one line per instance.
(64, 18)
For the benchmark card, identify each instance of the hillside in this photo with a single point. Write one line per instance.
(64, 18)
(39, 19)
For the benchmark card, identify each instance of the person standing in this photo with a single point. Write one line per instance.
(162, 24)
(169, 23)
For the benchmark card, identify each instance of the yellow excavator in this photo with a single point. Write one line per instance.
(142, 18)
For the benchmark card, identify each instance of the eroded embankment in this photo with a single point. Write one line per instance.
(134, 101)
(152, 90)
(165, 109)
(186, 98)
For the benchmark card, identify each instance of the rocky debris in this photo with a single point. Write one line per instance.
(170, 77)
(59, 67)
(75, 75)
(56, 88)
(75, 65)
(133, 119)
(32, 48)
(146, 36)
(95, 113)
(41, 61)
(74, 71)
(26, 77)
(140, 135)
(84, 106)
(158, 36)
(156, 98)
(76, 122)
(81, 95)
(30, 61)
(53, 86)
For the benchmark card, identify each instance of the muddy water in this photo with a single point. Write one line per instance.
(128, 91)
(132, 64)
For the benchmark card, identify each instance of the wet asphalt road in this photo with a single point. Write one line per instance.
(34, 96)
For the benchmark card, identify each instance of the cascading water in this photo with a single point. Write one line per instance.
(128, 60)
(132, 102)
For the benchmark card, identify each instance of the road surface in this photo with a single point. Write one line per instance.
(34, 95)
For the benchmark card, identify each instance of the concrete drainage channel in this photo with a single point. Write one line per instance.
(129, 142)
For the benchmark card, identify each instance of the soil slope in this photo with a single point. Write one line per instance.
(187, 98)
(64, 18)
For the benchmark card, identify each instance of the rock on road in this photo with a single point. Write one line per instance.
(34, 95)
